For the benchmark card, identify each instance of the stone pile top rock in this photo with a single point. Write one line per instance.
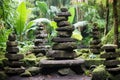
(109, 46)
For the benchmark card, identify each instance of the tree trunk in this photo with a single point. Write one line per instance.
(115, 22)
(107, 17)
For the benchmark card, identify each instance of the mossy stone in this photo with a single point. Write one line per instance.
(34, 70)
(26, 74)
(3, 76)
(65, 46)
(99, 73)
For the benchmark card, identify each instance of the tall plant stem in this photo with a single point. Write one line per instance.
(115, 13)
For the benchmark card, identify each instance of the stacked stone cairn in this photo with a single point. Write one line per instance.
(62, 54)
(95, 44)
(111, 62)
(40, 40)
(13, 64)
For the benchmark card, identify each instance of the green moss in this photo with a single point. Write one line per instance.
(80, 52)
(26, 74)
(88, 72)
(110, 36)
(34, 70)
(3, 76)
(30, 60)
(90, 62)
(99, 73)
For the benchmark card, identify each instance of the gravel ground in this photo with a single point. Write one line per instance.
(52, 77)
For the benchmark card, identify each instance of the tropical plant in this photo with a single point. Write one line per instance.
(21, 26)
(4, 36)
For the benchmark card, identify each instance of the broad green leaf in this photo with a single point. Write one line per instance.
(76, 35)
(53, 24)
(43, 6)
(72, 11)
(29, 25)
(22, 17)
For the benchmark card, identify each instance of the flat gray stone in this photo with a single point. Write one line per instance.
(12, 37)
(43, 50)
(60, 54)
(64, 46)
(14, 57)
(95, 51)
(39, 42)
(65, 28)
(64, 9)
(41, 36)
(64, 34)
(112, 62)
(95, 46)
(34, 70)
(59, 40)
(14, 64)
(95, 32)
(40, 28)
(63, 14)
(58, 19)
(94, 42)
(110, 55)
(38, 32)
(12, 49)
(60, 63)
(95, 28)
(14, 71)
(12, 43)
(109, 46)
(95, 37)
(63, 24)
(116, 69)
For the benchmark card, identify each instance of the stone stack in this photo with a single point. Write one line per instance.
(111, 56)
(62, 54)
(40, 41)
(14, 65)
(95, 44)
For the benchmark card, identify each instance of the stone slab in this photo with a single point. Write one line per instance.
(63, 14)
(60, 54)
(65, 28)
(14, 57)
(40, 28)
(12, 43)
(112, 62)
(58, 19)
(38, 32)
(109, 46)
(116, 69)
(64, 46)
(95, 51)
(14, 64)
(63, 24)
(109, 55)
(12, 49)
(64, 34)
(95, 46)
(64, 9)
(94, 42)
(60, 63)
(14, 71)
(59, 39)
(41, 36)
(12, 37)
(43, 50)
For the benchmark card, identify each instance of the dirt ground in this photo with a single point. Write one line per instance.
(52, 77)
